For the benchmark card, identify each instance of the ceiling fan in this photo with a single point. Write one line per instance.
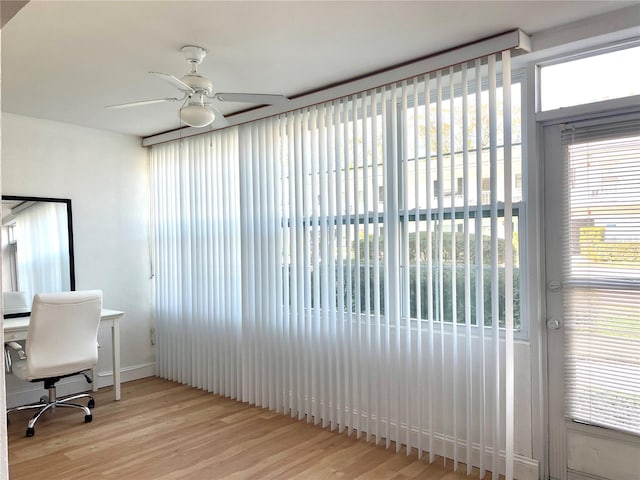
(197, 93)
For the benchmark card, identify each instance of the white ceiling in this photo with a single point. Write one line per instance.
(66, 60)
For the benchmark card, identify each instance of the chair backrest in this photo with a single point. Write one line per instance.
(63, 333)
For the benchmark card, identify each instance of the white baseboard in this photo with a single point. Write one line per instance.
(127, 374)
(67, 386)
(573, 475)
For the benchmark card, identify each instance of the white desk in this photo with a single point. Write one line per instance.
(16, 329)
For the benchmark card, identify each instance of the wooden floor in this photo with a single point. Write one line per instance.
(161, 430)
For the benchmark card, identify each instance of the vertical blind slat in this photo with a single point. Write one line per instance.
(406, 348)
(480, 320)
(430, 383)
(440, 260)
(417, 365)
(377, 351)
(495, 294)
(508, 270)
(386, 347)
(454, 293)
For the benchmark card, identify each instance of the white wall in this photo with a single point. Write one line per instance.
(105, 176)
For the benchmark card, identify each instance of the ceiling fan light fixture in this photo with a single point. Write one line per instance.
(196, 115)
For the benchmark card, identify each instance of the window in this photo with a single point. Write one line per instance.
(596, 77)
(451, 267)
(438, 230)
(427, 229)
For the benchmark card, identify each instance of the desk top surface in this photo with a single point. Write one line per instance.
(20, 323)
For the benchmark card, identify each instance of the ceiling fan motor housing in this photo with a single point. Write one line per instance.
(199, 83)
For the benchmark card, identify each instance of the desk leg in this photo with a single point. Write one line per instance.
(115, 342)
(94, 377)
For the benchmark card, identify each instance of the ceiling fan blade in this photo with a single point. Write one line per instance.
(143, 102)
(219, 121)
(176, 82)
(259, 98)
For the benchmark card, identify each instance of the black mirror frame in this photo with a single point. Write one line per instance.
(72, 272)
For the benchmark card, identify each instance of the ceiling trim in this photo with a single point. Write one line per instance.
(513, 39)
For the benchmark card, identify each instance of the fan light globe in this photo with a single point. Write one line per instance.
(196, 115)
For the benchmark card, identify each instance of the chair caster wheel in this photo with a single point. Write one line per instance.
(44, 399)
(31, 432)
(88, 418)
(91, 403)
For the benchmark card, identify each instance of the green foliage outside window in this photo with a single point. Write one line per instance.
(360, 283)
(360, 305)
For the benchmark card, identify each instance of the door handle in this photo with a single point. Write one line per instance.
(554, 323)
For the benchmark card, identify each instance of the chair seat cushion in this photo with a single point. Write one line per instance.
(19, 369)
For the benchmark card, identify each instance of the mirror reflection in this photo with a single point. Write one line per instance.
(37, 250)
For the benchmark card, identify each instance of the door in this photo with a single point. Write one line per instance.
(592, 245)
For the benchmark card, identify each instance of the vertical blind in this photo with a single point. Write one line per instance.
(602, 274)
(42, 251)
(197, 258)
(353, 263)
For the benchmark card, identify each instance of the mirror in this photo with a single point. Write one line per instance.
(37, 250)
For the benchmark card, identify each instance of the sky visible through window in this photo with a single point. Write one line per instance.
(600, 77)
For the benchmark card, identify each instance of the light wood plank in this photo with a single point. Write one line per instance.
(161, 430)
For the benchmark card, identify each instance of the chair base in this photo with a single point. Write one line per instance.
(51, 404)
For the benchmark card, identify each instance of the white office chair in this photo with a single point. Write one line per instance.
(62, 341)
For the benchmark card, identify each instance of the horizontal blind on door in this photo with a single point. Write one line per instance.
(602, 274)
